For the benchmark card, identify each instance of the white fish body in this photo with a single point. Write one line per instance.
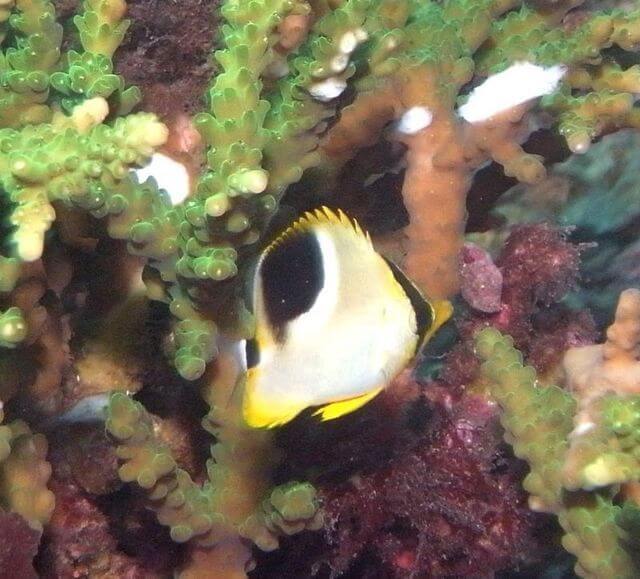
(334, 325)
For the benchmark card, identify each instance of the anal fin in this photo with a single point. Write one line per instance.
(337, 409)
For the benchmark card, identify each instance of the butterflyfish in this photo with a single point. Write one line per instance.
(335, 322)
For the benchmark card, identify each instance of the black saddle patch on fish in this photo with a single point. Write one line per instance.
(252, 352)
(292, 276)
(425, 315)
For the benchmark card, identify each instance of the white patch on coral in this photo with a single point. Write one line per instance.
(521, 82)
(339, 63)
(583, 428)
(579, 143)
(332, 87)
(414, 120)
(361, 35)
(351, 39)
(30, 245)
(253, 181)
(89, 409)
(328, 89)
(169, 174)
(348, 43)
(89, 113)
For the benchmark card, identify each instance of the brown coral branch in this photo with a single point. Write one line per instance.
(441, 160)
(434, 193)
(612, 367)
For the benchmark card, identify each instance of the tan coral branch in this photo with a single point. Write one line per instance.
(612, 367)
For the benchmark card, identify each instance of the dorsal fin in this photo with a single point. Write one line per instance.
(321, 216)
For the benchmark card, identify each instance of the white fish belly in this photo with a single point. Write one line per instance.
(347, 360)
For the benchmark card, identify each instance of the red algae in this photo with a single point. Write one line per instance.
(480, 279)
(420, 483)
(18, 546)
(538, 266)
(80, 540)
(447, 502)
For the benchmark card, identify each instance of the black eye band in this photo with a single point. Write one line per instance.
(292, 276)
(252, 353)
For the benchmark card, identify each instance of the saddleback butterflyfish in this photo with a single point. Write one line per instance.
(335, 322)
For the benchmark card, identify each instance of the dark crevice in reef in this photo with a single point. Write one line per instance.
(166, 52)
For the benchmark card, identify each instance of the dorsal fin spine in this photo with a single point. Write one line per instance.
(317, 217)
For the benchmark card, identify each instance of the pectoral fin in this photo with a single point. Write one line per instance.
(337, 409)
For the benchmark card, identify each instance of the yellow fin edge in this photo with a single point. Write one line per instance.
(442, 312)
(322, 215)
(337, 409)
(262, 413)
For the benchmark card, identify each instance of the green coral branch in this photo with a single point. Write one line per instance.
(24, 473)
(9, 273)
(609, 452)
(253, 150)
(233, 129)
(195, 337)
(594, 537)
(582, 118)
(13, 328)
(538, 423)
(25, 67)
(101, 26)
(34, 64)
(537, 419)
(89, 75)
(80, 165)
(306, 98)
(527, 34)
(232, 503)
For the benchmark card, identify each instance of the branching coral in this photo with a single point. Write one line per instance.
(234, 503)
(541, 440)
(24, 473)
(612, 367)
(408, 63)
(424, 64)
(51, 157)
(51, 162)
(566, 462)
(605, 379)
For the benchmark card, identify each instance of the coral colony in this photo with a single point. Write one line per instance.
(516, 445)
